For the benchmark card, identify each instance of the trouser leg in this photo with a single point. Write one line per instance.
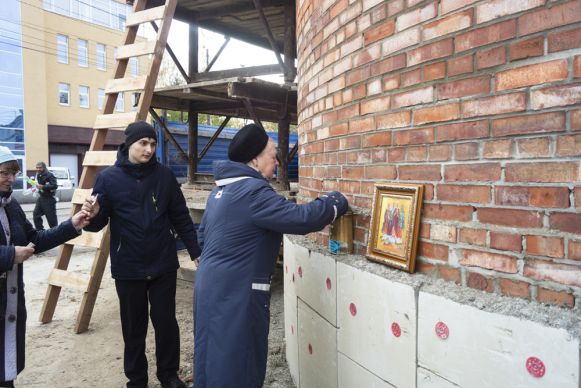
(162, 298)
(133, 307)
(50, 211)
(37, 215)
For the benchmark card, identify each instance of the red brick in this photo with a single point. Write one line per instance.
(464, 193)
(331, 145)
(497, 149)
(411, 77)
(395, 6)
(379, 32)
(381, 172)
(556, 96)
(464, 88)
(577, 66)
(401, 40)
(366, 124)
(377, 139)
(569, 145)
(437, 113)
(486, 35)
(425, 230)
(443, 233)
(452, 5)
(462, 131)
(337, 8)
(574, 250)
(366, 55)
(559, 298)
(394, 120)
(533, 47)
(338, 129)
(556, 16)
(350, 142)
(447, 212)
(536, 74)
(447, 25)
(388, 65)
(485, 172)
(561, 273)
(545, 246)
(493, 261)
(352, 172)
(391, 83)
(357, 75)
(440, 152)
(496, 9)
(565, 40)
(466, 151)
(506, 241)
(435, 71)
(396, 154)
(460, 65)
(417, 16)
(425, 268)
(578, 197)
(439, 49)
(479, 282)
(473, 236)
(514, 288)
(566, 222)
(449, 274)
(420, 172)
(542, 172)
(433, 251)
(495, 105)
(510, 217)
(416, 154)
(544, 197)
(350, 187)
(576, 120)
(414, 136)
(413, 97)
(536, 123)
(491, 57)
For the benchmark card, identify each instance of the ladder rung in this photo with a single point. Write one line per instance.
(100, 158)
(136, 50)
(62, 278)
(115, 120)
(79, 196)
(149, 15)
(88, 239)
(125, 84)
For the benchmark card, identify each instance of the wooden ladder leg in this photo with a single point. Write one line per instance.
(53, 292)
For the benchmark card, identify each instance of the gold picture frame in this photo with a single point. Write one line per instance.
(395, 224)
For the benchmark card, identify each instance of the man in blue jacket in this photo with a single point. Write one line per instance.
(240, 236)
(144, 204)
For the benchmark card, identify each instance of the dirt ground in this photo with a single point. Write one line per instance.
(56, 357)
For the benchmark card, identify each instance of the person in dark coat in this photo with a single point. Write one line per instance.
(46, 184)
(145, 206)
(18, 241)
(240, 235)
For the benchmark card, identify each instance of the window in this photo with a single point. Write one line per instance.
(84, 96)
(120, 103)
(101, 57)
(62, 49)
(62, 6)
(101, 12)
(134, 101)
(134, 66)
(82, 53)
(64, 94)
(101, 98)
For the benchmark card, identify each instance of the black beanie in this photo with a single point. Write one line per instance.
(247, 144)
(137, 131)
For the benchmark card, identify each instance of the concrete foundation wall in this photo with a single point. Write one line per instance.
(377, 327)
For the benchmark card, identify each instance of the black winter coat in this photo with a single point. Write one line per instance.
(48, 180)
(145, 206)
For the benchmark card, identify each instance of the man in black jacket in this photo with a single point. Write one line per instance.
(144, 204)
(46, 202)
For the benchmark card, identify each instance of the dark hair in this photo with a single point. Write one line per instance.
(11, 166)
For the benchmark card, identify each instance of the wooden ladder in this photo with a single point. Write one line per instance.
(95, 157)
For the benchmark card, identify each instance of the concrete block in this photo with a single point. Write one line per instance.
(427, 379)
(353, 375)
(290, 309)
(474, 348)
(317, 349)
(377, 325)
(316, 284)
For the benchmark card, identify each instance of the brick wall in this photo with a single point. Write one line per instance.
(480, 101)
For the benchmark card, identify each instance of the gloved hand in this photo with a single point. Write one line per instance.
(338, 200)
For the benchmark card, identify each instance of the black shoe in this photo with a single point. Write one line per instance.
(173, 382)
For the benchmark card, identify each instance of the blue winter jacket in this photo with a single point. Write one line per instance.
(145, 206)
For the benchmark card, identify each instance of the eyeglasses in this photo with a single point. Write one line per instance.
(7, 174)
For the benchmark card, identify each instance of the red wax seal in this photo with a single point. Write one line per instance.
(328, 284)
(535, 367)
(442, 330)
(353, 309)
(395, 329)
(310, 349)
(300, 271)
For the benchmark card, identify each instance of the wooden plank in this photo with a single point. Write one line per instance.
(100, 158)
(250, 71)
(115, 120)
(125, 84)
(149, 15)
(87, 239)
(79, 196)
(136, 50)
(63, 278)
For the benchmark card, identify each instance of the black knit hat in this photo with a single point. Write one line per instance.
(247, 144)
(137, 131)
